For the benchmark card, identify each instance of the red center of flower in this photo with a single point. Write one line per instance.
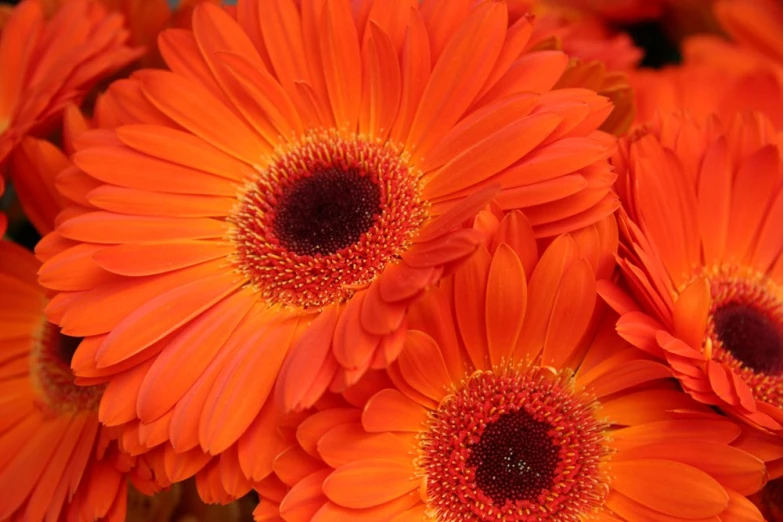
(747, 331)
(515, 458)
(52, 375)
(325, 217)
(326, 211)
(514, 446)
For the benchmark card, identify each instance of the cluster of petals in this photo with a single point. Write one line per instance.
(390, 260)
(364, 455)
(47, 63)
(721, 183)
(147, 267)
(718, 76)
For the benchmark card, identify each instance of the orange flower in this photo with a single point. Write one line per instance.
(46, 64)
(704, 89)
(55, 459)
(719, 76)
(144, 19)
(704, 258)
(503, 408)
(292, 187)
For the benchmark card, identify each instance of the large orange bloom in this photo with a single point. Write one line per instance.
(704, 258)
(502, 409)
(55, 459)
(308, 173)
(45, 64)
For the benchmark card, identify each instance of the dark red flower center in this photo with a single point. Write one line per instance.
(325, 217)
(751, 335)
(514, 445)
(746, 330)
(326, 211)
(52, 375)
(515, 458)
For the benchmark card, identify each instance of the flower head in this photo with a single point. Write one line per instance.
(45, 64)
(291, 186)
(703, 258)
(512, 401)
(57, 461)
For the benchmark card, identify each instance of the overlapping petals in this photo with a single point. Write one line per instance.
(46, 64)
(181, 317)
(703, 204)
(367, 459)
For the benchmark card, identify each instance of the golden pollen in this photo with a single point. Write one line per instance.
(325, 217)
(520, 444)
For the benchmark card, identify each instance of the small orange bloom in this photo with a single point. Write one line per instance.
(704, 258)
(56, 461)
(504, 406)
(45, 64)
(291, 187)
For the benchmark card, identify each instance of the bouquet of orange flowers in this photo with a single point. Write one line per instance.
(391, 261)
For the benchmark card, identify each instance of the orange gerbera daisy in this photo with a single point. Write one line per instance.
(503, 409)
(46, 64)
(311, 172)
(56, 462)
(704, 258)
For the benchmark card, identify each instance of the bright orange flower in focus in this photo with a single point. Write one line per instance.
(505, 406)
(45, 64)
(295, 183)
(704, 259)
(56, 461)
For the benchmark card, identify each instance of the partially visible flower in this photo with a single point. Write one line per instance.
(145, 19)
(46, 64)
(600, 56)
(56, 461)
(303, 200)
(721, 76)
(504, 407)
(704, 89)
(703, 256)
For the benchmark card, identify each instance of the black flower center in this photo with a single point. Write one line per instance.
(751, 335)
(515, 459)
(66, 347)
(326, 211)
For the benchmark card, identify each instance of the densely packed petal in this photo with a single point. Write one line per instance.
(280, 197)
(703, 258)
(513, 401)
